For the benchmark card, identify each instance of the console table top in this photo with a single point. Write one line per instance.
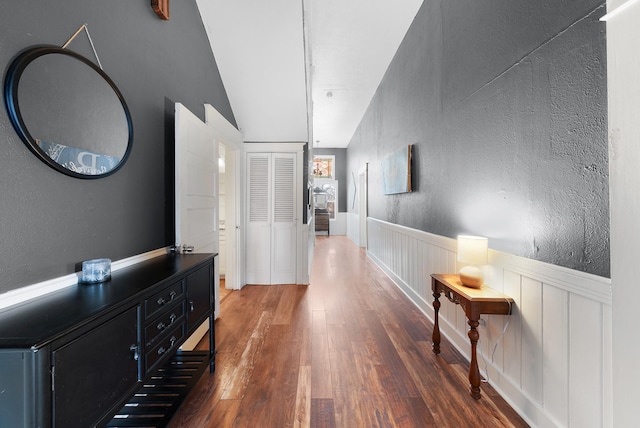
(484, 293)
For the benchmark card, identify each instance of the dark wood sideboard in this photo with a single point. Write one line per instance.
(75, 357)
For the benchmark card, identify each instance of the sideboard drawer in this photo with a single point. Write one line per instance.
(165, 297)
(154, 330)
(165, 348)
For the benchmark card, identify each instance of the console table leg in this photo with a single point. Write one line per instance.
(435, 337)
(474, 372)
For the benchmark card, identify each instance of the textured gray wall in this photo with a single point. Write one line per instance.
(505, 103)
(50, 222)
(341, 174)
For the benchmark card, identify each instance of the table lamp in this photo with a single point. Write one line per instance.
(472, 250)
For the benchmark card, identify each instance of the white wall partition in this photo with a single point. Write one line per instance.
(623, 87)
(352, 227)
(554, 363)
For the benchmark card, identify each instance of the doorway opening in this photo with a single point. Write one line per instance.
(229, 213)
(227, 221)
(363, 205)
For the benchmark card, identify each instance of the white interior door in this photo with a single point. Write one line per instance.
(283, 229)
(258, 218)
(196, 187)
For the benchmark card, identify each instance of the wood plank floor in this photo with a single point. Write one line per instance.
(349, 350)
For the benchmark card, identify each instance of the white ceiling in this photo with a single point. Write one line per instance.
(259, 47)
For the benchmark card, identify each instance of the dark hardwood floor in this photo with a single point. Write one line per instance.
(349, 350)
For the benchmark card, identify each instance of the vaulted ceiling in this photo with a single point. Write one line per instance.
(303, 70)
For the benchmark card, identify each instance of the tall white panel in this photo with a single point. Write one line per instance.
(258, 270)
(532, 338)
(283, 228)
(623, 87)
(555, 346)
(283, 255)
(512, 341)
(585, 382)
(259, 193)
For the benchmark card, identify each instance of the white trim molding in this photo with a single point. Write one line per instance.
(554, 362)
(20, 295)
(617, 10)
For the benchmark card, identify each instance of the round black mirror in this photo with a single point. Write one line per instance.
(68, 112)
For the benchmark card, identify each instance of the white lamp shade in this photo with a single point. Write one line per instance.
(472, 249)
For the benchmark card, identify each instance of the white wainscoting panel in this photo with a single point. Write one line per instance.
(353, 227)
(338, 226)
(553, 364)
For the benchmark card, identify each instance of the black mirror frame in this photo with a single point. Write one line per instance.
(12, 79)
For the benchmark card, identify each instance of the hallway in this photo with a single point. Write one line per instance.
(349, 350)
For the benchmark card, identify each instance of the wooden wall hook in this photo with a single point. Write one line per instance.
(161, 8)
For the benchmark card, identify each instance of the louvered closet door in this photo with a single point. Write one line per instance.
(283, 229)
(271, 230)
(259, 218)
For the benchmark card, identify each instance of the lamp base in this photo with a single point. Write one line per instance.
(472, 276)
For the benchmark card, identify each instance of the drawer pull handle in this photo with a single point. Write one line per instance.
(161, 351)
(173, 295)
(161, 301)
(173, 340)
(172, 317)
(191, 305)
(134, 349)
(161, 326)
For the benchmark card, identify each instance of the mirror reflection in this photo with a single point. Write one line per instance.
(68, 112)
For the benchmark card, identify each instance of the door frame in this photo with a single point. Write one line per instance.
(363, 205)
(231, 138)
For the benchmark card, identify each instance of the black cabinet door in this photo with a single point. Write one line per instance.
(199, 296)
(18, 394)
(95, 371)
